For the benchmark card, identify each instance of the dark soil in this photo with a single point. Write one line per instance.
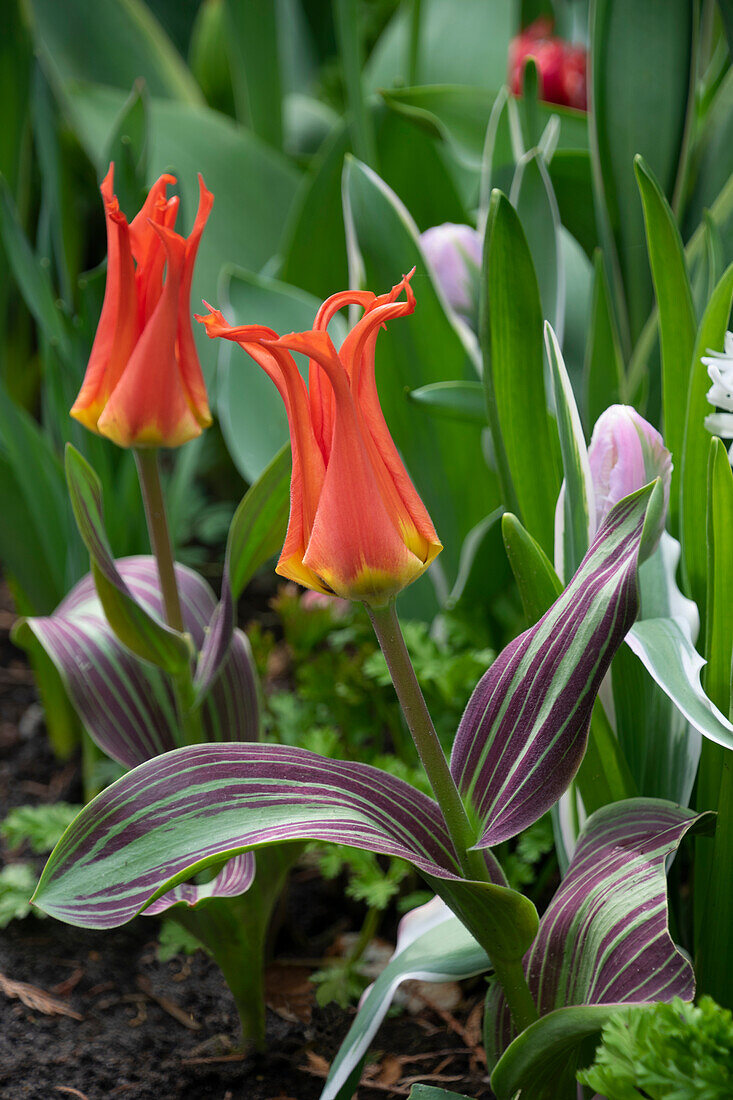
(94, 1015)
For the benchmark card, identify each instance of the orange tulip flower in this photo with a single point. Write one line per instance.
(357, 526)
(143, 385)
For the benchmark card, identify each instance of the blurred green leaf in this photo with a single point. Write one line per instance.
(572, 182)
(255, 65)
(511, 334)
(259, 524)
(127, 147)
(677, 324)
(534, 200)
(455, 400)
(603, 371)
(697, 443)
(641, 58)
(113, 42)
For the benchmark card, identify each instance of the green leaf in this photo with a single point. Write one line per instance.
(113, 42)
(17, 882)
(538, 583)
(697, 442)
(511, 333)
(677, 324)
(442, 457)
(128, 149)
(714, 863)
(577, 492)
(254, 50)
(572, 182)
(444, 952)
(40, 826)
(431, 1092)
(603, 370)
(258, 528)
(136, 628)
(454, 400)
(534, 200)
(634, 112)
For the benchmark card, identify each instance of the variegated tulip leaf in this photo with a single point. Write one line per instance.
(604, 938)
(525, 729)
(432, 946)
(235, 878)
(127, 704)
(664, 648)
(189, 809)
(144, 634)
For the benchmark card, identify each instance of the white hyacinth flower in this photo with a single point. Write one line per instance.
(720, 394)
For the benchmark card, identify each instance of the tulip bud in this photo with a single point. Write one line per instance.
(143, 385)
(561, 66)
(454, 253)
(626, 453)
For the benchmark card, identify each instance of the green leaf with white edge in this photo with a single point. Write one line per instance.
(483, 571)
(634, 112)
(714, 863)
(532, 197)
(442, 457)
(113, 42)
(664, 648)
(251, 411)
(677, 323)
(454, 400)
(543, 1060)
(259, 524)
(603, 370)
(697, 442)
(575, 517)
(143, 634)
(511, 333)
(432, 946)
(253, 184)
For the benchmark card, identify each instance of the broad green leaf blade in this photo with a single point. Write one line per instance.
(442, 457)
(113, 42)
(543, 1060)
(576, 507)
(534, 200)
(633, 112)
(442, 951)
(454, 400)
(128, 705)
(251, 412)
(258, 527)
(628, 956)
(603, 370)
(714, 863)
(697, 442)
(664, 648)
(511, 333)
(677, 324)
(147, 636)
(524, 731)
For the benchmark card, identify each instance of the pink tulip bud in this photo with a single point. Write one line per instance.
(561, 66)
(454, 253)
(625, 453)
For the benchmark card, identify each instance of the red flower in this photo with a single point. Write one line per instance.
(357, 526)
(143, 385)
(561, 66)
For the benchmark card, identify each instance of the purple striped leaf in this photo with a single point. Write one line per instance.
(127, 704)
(603, 941)
(143, 633)
(187, 810)
(525, 729)
(235, 878)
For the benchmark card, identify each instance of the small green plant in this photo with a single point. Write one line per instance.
(173, 940)
(17, 883)
(41, 827)
(674, 1051)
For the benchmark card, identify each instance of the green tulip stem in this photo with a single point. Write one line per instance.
(389, 634)
(160, 540)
